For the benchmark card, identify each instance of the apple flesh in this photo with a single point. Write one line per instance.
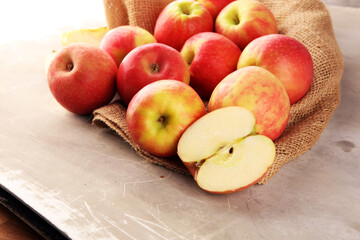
(149, 63)
(223, 153)
(82, 77)
(285, 57)
(160, 112)
(259, 91)
(211, 57)
(180, 20)
(245, 20)
(119, 41)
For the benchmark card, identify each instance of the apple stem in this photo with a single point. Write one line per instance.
(161, 119)
(69, 67)
(185, 9)
(155, 68)
(236, 20)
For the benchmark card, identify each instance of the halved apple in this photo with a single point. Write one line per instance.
(223, 152)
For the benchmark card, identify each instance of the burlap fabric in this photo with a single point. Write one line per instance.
(306, 20)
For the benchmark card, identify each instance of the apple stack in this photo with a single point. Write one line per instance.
(212, 83)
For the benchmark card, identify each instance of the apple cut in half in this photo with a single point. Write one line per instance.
(223, 152)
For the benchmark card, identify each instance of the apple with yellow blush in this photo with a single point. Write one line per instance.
(284, 56)
(214, 6)
(160, 112)
(259, 91)
(180, 20)
(149, 63)
(245, 20)
(119, 41)
(211, 57)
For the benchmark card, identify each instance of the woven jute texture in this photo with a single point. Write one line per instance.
(306, 20)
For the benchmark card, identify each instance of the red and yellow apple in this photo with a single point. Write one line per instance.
(149, 63)
(285, 57)
(160, 112)
(214, 6)
(259, 91)
(211, 57)
(119, 41)
(245, 20)
(223, 153)
(180, 20)
(82, 77)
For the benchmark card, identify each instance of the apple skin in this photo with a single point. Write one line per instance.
(211, 57)
(259, 91)
(160, 112)
(285, 57)
(214, 6)
(82, 78)
(244, 21)
(119, 41)
(149, 63)
(180, 20)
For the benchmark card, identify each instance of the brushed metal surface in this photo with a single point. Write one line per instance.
(91, 185)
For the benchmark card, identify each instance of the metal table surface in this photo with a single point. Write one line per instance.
(89, 184)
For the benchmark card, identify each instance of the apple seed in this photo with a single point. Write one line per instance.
(231, 150)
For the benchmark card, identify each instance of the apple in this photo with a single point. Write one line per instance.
(82, 77)
(214, 6)
(259, 91)
(180, 20)
(245, 20)
(285, 57)
(211, 57)
(160, 112)
(119, 41)
(223, 153)
(149, 63)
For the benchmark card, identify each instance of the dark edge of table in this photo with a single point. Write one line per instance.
(30, 217)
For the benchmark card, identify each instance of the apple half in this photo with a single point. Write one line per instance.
(223, 152)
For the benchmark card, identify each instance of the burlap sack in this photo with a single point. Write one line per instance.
(306, 20)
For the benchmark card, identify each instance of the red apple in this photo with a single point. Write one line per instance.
(82, 77)
(285, 57)
(214, 6)
(259, 91)
(180, 20)
(211, 57)
(243, 21)
(119, 41)
(149, 63)
(160, 112)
